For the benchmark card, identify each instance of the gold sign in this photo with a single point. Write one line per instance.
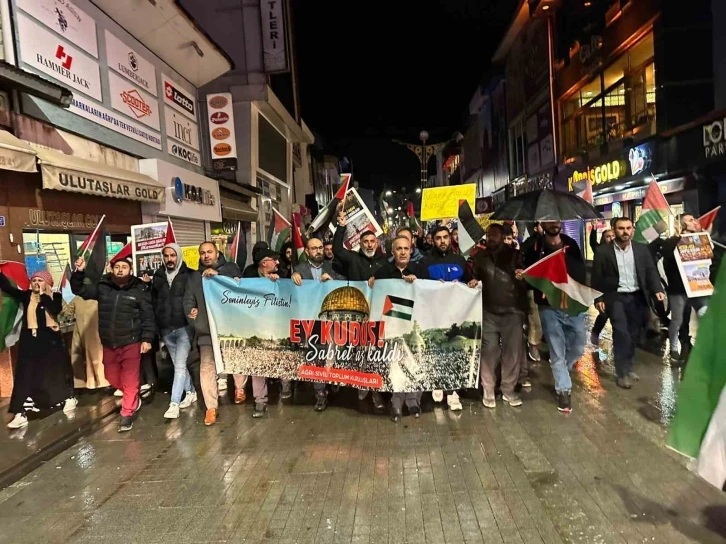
(63, 220)
(599, 174)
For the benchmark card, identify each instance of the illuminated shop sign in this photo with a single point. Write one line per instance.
(598, 175)
(714, 140)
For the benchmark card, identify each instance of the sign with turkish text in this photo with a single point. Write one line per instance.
(597, 175)
(184, 153)
(147, 241)
(221, 131)
(44, 52)
(132, 102)
(694, 254)
(130, 64)
(181, 128)
(66, 19)
(443, 202)
(359, 219)
(395, 336)
(274, 48)
(181, 99)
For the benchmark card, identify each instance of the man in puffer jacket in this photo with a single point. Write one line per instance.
(125, 325)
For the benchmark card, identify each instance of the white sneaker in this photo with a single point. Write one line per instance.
(145, 388)
(438, 395)
(18, 422)
(70, 405)
(454, 402)
(222, 384)
(189, 399)
(172, 412)
(118, 393)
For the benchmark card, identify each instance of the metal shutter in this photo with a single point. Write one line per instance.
(189, 232)
(573, 229)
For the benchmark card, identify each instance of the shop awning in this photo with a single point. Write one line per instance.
(63, 172)
(15, 154)
(235, 210)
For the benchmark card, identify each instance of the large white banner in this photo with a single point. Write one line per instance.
(66, 19)
(133, 102)
(181, 129)
(107, 118)
(45, 52)
(130, 64)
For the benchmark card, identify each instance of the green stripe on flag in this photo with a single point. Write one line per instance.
(649, 227)
(399, 315)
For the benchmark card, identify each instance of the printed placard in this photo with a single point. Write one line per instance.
(45, 52)
(694, 254)
(359, 219)
(147, 241)
(133, 102)
(65, 18)
(130, 64)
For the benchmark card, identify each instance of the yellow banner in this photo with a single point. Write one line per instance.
(443, 202)
(190, 254)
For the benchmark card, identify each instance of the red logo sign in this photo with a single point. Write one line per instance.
(219, 118)
(136, 103)
(65, 58)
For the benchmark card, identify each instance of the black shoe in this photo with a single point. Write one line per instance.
(260, 409)
(378, 401)
(395, 415)
(126, 424)
(564, 402)
(321, 404)
(415, 411)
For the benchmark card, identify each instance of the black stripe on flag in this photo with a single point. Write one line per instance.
(401, 301)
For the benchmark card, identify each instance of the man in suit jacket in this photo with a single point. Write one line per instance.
(625, 273)
(316, 269)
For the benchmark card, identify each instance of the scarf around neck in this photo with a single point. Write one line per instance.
(32, 314)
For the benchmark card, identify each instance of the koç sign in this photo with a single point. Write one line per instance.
(191, 193)
(598, 175)
(714, 140)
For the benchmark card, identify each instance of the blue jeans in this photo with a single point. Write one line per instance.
(678, 303)
(179, 347)
(565, 335)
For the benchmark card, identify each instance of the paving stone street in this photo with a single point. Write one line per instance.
(601, 474)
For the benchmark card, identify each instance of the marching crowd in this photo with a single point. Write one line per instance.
(133, 312)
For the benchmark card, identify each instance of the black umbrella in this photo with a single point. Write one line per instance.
(546, 205)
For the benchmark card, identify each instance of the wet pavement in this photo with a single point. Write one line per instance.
(598, 475)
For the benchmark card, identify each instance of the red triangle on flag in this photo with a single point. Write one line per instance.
(170, 236)
(387, 305)
(125, 253)
(707, 219)
(340, 195)
(16, 272)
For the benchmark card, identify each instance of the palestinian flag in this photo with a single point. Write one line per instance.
(699, 426)
(327, 214)
(470, 231)
(412, 222)
(652, 222)
(87, 245)
(397, 307)
(707, 219)
(279, 231)
(96, 262)
(237, 249)
(298, 239)
(11, 311)
(550, 276)
(170, 236)
(65, 286)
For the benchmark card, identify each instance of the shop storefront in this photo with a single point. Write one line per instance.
(238, 214)
(192, 201)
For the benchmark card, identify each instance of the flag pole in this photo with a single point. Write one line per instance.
(669, 206)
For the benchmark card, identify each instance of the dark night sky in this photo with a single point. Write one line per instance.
(370, 71)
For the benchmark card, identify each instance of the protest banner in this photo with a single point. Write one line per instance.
(694, 253)
(147, 241)
(190, 255)
(394, 337)
(443, 202)
(359, 220)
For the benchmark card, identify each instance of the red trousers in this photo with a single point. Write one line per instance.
(122, 367)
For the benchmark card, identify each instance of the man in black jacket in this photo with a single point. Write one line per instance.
(504, 305)
(625, 273)
(565, 334)
(125, 325)
(167, 297)
(211, 263)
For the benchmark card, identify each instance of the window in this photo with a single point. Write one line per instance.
(616, 102)
(518, 146)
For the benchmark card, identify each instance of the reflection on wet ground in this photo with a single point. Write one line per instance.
(600, 474)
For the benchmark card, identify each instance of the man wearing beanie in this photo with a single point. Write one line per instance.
(125, 325)
(167, 298)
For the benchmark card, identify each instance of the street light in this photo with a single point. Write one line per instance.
(388, 193)
(424, 153)
(418, 189)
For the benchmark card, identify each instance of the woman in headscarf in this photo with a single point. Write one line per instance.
(43, 374)
(284, 268)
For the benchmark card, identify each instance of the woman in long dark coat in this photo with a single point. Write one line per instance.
(43, 373)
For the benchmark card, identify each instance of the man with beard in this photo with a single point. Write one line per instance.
(504, 304)
(318, 269)
(211, 263)
(443, 265)
(678, 300)
(402, 268)
(565, 334)
(335, 263)
(167, 297)
(359, 266)
(625, 273)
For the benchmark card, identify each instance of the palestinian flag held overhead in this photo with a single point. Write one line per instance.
(652, 222)
(397, 307)
(699, 427)
(279, 231)
(11, 311)
(87, 245)
(327, 214)
(550, 276)
(707, 219)
(470, 232)
(298, 239)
